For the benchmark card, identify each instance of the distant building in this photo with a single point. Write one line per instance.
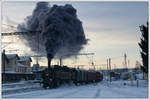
(12, 63)
(24, 63)
(37, 67)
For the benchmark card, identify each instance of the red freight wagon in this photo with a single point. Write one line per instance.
(99, 76)
(91, 76)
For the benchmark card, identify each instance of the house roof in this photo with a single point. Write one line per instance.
(25, 59)
(10, 56)
(20, 65)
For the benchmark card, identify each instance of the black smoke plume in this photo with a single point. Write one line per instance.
(61, 32)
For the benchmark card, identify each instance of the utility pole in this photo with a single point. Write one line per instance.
(110, 64)
(125, 61)
(93, 64)
(110, 68)
(107, 69)
(128, 63)
(3, 61)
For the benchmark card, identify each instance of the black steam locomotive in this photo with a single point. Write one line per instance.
(56, 75)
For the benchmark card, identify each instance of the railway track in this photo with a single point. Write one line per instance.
(22, 90)
(26, 86)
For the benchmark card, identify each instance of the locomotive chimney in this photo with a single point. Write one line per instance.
(49, 63)
(49, 56)
(60, 61)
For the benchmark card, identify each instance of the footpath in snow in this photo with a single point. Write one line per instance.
(104, 89)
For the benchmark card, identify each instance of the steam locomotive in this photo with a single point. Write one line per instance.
(56, 75)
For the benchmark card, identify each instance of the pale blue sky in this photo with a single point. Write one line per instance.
(112, 27)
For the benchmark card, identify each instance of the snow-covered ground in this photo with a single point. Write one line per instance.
(19, 85)
(104, 89)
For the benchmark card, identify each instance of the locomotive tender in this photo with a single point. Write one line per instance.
(56, 75)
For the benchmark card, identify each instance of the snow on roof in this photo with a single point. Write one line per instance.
(41, 69)
(11, 72)
(25, 59)
(10, 56)
(20, 65)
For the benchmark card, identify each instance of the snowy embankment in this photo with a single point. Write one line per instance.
(105, 89)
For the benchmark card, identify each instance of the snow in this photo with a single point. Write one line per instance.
(20, 65)
(139, 76)
(13, 72)
(10, 56)
(24, 59)
(20, 85)
(104, 89)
